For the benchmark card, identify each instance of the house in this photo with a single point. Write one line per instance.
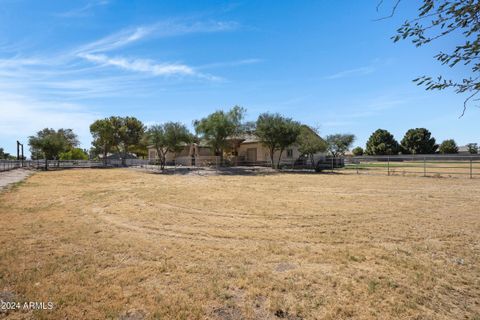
(246, 149)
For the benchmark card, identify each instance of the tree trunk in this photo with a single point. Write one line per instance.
(279, 158)
(312, 160)
(46, 164)
(272, 151)
(105, 155)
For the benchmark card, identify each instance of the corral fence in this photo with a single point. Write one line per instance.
(406, 165)
(434, 165)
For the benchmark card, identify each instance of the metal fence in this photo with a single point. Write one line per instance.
(6, 165)
(417, 165)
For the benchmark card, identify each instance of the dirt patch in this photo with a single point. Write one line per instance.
(13, 176)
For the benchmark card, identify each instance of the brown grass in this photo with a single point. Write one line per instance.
(122, 243)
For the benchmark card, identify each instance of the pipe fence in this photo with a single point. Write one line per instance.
(416, 165)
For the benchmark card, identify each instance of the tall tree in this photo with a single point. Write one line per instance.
(460, 21)
(49, 143)
(339, 143)
(168, 137)
(418, 141)
(129, 132)
(382, 142)
(310, 143)
(276, 133)
(448, 146)
(103, 134)
(217, 127)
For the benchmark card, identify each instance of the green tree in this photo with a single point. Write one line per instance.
(217, 127)
(357, 151)
(49, 143)
(472, 148)
(6, 155)
(74, 154)
(382, 142)
(448, 146)
(276, 133)
(104, 138)
(460, 21)
(310, 143)
(128, 134)
(418, 141)
(338, 143)
(168, 137)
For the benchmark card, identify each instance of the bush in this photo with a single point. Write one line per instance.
(358, 151)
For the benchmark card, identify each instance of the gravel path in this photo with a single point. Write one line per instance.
(12, 176)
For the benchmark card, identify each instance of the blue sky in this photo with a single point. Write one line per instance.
(324, 63)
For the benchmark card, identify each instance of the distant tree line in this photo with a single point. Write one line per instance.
(415, 141)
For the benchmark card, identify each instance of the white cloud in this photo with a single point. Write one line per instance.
(352, 72)
(83, 11)
(141, 65)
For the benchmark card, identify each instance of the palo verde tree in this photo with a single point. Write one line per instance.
(168, 137)
(339, 143)
(382, 142)
(448, 146)
(49, 143)
(418, 141)
(276, 133)
(459, 20)
(217, 127)
(309, 143)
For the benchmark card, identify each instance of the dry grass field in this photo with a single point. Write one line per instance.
(127, 244)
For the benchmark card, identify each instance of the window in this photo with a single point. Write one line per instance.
(289, 153)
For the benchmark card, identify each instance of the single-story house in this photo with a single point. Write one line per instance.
(244, 150)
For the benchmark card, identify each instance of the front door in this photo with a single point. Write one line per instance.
(252, 154)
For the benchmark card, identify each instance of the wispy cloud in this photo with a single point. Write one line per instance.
(230, 63)
(352, 72)
(141, 65)
(158, 30)
(84, 10)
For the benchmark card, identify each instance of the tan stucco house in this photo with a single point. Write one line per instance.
(244, 150)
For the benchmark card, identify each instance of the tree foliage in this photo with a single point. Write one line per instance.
(217, 127)
(310, 143)
(168, 137)
(339, 143)
(472, 148)
(382, 142)
(418, 141)
(460, 21)
(357, 151)
(6, 155)
(448, 146)
(49, 143)
(103, 134)
(123, 134)
(276, 133)
(74, 154)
